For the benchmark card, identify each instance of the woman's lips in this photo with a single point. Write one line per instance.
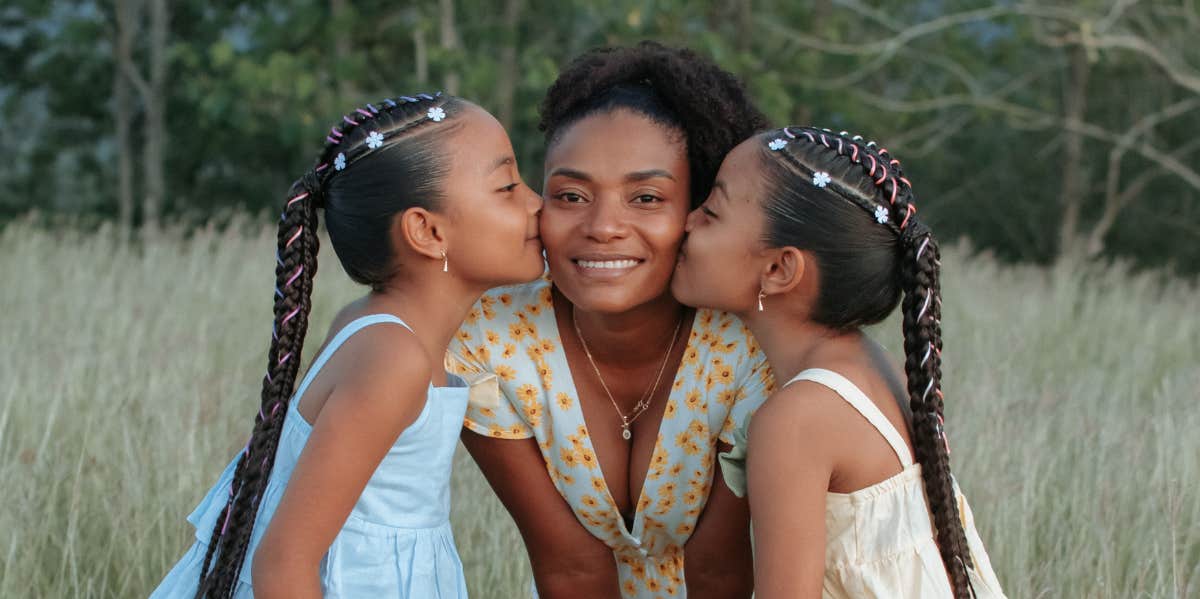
(605, 267)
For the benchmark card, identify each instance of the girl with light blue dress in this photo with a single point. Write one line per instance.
(343, 489)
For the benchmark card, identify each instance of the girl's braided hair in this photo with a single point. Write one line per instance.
(375, 165)
(675, 88)
(848, 202)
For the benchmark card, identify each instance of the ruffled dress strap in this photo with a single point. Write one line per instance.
(860, 402)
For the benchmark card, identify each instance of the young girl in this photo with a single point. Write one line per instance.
(810, 235)
(343, 489)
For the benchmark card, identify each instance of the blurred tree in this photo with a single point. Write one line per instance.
(1032, 128)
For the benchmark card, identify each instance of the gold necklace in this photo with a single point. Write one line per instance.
(642, 404)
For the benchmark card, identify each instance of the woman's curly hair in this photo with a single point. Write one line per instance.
(674, 87)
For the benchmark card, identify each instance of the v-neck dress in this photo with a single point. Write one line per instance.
(511, 338)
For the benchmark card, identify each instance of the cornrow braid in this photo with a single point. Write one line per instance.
(361, 133)
(866, 178)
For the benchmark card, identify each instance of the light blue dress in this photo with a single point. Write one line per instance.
(397, 541)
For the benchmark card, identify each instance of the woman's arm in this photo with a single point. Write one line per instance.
(366, 412)
(718, 558)
(788, 471)
(568, 562)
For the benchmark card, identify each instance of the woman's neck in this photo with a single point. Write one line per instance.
(434, 306)
(790, 343)
(629, 338)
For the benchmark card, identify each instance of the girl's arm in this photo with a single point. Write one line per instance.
(788, 472)
(718, 559)
(568, 562)
(381, 391)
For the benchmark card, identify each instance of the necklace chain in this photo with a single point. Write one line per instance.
(640, 407)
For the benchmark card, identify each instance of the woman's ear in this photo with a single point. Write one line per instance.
(422, 231)
(783, 271)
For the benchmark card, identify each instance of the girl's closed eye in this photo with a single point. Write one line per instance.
(707, 211)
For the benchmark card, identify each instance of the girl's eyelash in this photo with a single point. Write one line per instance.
(708, 212)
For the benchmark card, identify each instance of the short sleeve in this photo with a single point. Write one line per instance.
(469, 356)
(754, 384)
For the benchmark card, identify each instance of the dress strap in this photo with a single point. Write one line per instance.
(856, 398)
(353, 327)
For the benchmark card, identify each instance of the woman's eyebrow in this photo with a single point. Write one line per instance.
(648, 174)
(563, 171)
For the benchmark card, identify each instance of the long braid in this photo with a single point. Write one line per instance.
(892, 205)
(297, 246)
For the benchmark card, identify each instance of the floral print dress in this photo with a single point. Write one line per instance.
(509, 347)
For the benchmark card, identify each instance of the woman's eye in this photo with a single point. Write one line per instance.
(509, 188)
(569, 197)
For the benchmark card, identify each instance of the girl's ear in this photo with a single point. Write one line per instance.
(421, 230)
(784, 271)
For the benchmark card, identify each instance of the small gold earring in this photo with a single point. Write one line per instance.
(761, 294)
(445, 262)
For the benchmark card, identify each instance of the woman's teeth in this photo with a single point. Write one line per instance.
(614, 264)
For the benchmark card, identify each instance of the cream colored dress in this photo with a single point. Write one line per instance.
(879, 540)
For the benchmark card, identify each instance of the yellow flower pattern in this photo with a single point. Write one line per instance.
(722, 380)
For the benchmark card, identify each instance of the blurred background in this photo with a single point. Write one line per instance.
(1034, 129)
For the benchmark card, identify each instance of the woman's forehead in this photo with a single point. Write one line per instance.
(616, 144)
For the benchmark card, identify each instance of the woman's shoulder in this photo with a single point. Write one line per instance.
(725, 339)
(515, 302)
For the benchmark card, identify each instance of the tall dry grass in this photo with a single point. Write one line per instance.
(129, 375)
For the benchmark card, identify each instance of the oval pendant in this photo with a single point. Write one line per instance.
(625, 433)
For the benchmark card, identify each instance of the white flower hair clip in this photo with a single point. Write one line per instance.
(339, 163)
(881, 215)
(375, 140)
(821, 179)
(436, 114)
(777, 144)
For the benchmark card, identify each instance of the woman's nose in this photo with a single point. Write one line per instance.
(606, 221)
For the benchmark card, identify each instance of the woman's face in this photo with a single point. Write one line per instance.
(724, 255)
(493, 238)
(616, 197)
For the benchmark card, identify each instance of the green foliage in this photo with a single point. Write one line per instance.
(969, 94)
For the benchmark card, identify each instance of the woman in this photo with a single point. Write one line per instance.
(810, 236)
(614, 395)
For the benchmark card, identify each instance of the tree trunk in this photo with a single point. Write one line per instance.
(506, 86)
(1071, 195)
(126, 23)
(449, 42)
(421, 54)
(153, 152)
(342, 49)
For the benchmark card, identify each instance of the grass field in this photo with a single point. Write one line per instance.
(129, 376)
